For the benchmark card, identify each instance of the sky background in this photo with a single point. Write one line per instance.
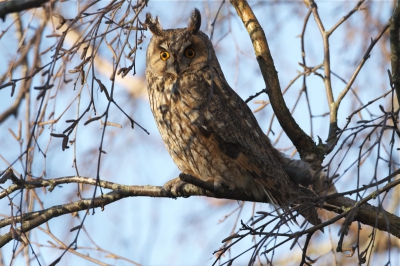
(186, 231)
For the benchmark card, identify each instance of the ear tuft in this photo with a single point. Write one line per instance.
(194, 21)
(154, 25)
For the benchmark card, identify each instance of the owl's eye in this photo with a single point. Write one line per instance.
(190, 53)
(164, 55)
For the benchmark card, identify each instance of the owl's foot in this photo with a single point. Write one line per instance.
(222, 186)
(214, 185)
(175, 187)
(218, 184)
(197, 182)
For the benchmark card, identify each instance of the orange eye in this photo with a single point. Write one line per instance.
(190, 53)
(164, 55)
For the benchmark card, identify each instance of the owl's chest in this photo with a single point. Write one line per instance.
(178, 103)
(178, 107)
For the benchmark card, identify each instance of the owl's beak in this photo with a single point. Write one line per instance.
(173, 68)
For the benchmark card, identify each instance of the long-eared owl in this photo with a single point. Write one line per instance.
(209, 131)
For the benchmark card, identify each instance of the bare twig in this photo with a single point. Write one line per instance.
(327, 63)
(332, 139)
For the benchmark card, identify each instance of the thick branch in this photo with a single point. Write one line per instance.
(8, 7)
(360, 211)
(304, 144)
(395, 48)
(366, 214)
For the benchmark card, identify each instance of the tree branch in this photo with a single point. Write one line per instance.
(304, 144)
(8, 7)
(354, 211)
(334, 106)
(395, 48)
(333, 128)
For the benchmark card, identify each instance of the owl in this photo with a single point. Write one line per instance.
(208, 130)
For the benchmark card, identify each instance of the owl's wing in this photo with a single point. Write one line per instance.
(231, 123)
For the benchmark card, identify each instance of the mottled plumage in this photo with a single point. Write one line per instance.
(209, 131)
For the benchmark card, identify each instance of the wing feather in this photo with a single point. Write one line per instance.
(234, 127)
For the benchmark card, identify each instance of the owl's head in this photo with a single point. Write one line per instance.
(177, 51)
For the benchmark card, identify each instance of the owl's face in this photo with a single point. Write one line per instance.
(176, 52)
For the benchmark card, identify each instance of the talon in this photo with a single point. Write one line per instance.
(166, 192)
(219, 183)
(175, 187)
